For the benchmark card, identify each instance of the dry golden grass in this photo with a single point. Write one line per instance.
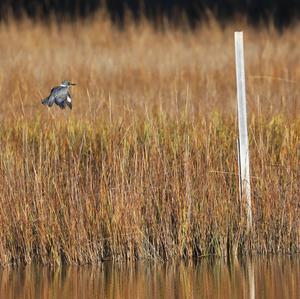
(144, 166)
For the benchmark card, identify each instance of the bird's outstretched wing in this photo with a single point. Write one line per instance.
(60, 96)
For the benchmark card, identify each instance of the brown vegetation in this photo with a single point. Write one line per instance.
(144, 166)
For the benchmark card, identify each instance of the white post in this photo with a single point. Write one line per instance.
(242, 123)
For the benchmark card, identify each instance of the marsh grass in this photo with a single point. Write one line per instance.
(144, 166)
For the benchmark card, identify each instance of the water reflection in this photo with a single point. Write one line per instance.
(252, 278)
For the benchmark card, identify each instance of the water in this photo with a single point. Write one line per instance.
(275, 277)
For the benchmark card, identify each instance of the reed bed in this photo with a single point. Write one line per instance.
(144, 166)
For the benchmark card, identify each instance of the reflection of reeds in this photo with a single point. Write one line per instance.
(145, 164)
(210, 278)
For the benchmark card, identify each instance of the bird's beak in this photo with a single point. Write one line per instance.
(73, 84)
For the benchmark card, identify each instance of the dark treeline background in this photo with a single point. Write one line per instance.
(280, 12)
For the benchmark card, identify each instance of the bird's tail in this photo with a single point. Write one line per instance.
(45, 101)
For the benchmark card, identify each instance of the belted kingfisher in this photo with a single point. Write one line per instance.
(60, 95)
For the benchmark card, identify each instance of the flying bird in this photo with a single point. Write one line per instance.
(60, 96)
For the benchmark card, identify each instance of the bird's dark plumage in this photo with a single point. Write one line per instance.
(60, 96)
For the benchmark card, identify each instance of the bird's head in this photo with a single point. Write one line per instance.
(66, 83)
